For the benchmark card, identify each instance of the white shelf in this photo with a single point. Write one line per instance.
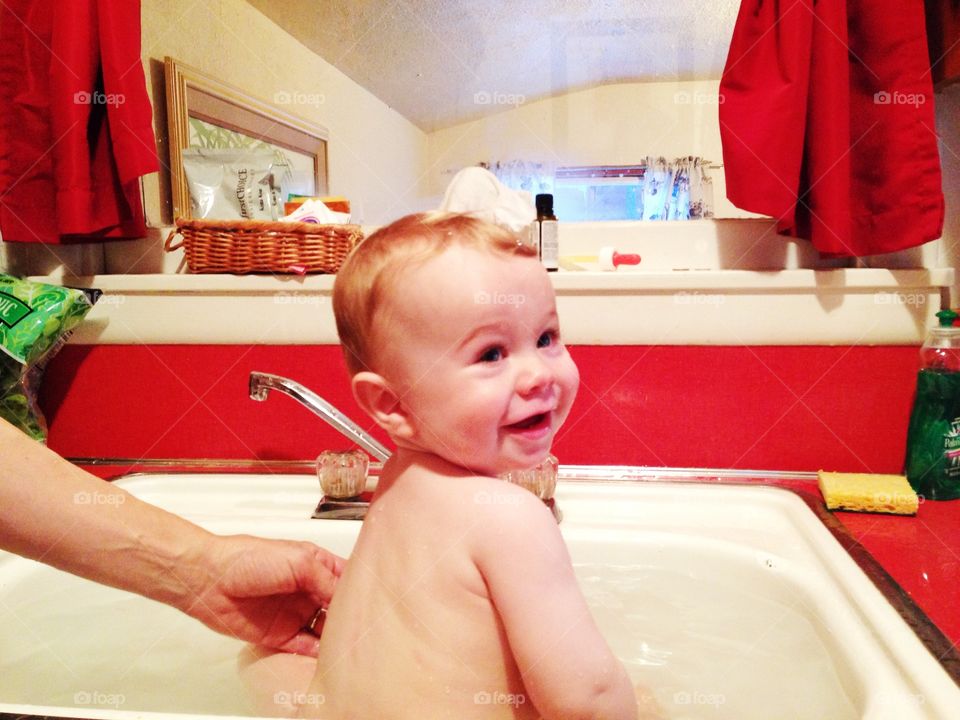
(711, 307)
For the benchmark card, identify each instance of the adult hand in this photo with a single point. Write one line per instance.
(262, 591)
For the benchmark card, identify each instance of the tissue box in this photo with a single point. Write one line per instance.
(335, 203)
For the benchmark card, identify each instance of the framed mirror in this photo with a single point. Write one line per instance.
(204, 112)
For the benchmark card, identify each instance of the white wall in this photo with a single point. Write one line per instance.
(948, 128)
(624, 123)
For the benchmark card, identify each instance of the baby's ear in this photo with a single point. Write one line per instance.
(375, 396)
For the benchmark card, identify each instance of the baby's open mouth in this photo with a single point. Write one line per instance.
(531, 422)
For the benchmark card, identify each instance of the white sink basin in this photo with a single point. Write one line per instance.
(730, 601)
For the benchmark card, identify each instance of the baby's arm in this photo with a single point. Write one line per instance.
(567, 667)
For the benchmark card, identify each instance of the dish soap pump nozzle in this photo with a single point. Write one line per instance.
(947, 317)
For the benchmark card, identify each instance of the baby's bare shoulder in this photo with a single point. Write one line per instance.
(465, 500)
(499, 496)
(503, 514)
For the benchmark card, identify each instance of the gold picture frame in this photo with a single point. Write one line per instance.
(199, 103)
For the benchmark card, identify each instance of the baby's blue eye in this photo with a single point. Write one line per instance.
(491, 355)
(547, 339)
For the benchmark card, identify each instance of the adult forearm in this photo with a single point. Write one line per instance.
(56, 513)
(262, 591)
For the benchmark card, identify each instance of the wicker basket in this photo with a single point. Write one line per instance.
(251, 246)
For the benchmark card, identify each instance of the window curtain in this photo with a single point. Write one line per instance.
(678, 190)
(827, 123)
(531, 175)
(76, 130)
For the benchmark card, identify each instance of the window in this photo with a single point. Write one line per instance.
(656, 189)
(599, 193)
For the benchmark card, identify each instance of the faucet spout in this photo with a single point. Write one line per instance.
(262, 383)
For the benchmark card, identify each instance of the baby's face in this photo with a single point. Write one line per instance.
(474, 351)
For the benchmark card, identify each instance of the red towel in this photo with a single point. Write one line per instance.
(827, 123)
(76, 130)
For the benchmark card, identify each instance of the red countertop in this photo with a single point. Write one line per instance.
(922, 553)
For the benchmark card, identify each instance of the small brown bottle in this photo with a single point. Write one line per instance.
(546, 232)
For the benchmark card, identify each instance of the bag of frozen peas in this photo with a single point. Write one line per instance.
(35, 321)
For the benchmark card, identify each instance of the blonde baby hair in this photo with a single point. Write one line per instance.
(373, 270)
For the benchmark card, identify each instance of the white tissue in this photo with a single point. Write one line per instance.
(477, 191)
(314, 211)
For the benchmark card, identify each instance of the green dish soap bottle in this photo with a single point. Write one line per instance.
(933, 436)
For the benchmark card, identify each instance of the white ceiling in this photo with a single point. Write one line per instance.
(437, 61)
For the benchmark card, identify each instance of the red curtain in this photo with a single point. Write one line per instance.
(827, 123)
(75, 129)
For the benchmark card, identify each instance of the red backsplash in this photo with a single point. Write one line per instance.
(783, 408)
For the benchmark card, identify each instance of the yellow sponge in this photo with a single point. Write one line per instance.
(868, 493)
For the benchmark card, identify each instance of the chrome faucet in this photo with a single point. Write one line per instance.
(540, 480)
(262, 383)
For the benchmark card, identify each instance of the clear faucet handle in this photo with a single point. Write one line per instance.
(342, 474)
(540, 480)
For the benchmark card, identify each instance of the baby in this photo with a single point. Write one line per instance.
(459, 599)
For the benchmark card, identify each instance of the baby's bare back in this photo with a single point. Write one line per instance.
(412, 631)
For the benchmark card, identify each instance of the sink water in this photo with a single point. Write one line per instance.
(729, 601)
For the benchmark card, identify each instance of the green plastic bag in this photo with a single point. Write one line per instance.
(35, 321)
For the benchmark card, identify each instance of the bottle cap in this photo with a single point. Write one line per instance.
(946, 318)
(544, 204)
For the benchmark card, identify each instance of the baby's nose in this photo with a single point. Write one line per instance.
(534, 376)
